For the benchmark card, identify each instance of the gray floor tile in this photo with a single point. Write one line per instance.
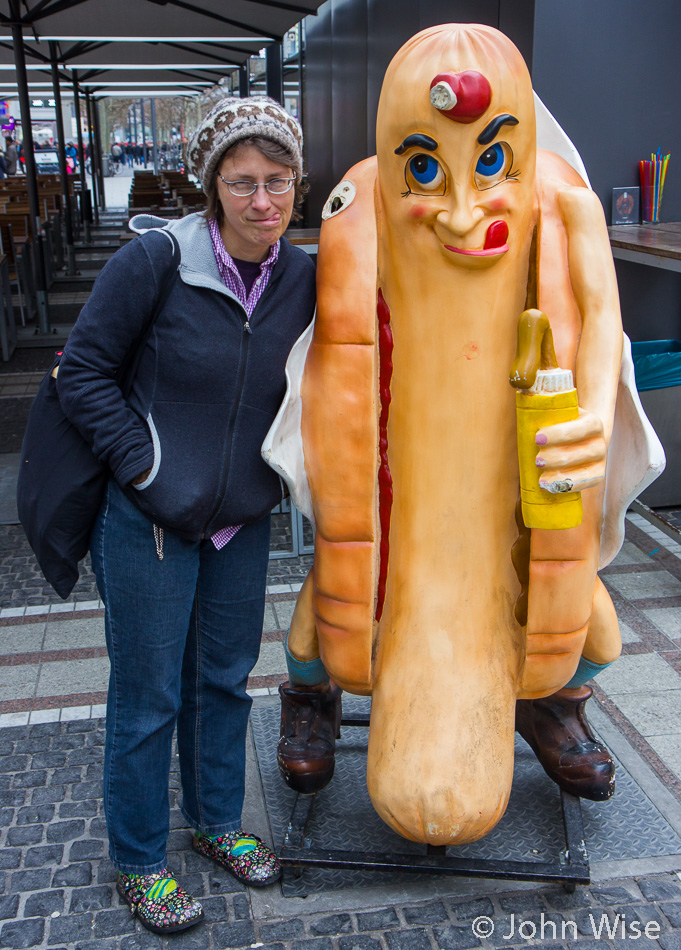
(269, 624)
(271, 660)
(652, 713)
(630, 554)
(651, 584)
(284, 611)
(74, 633)
(627, 634)
(669, 750)
(18, 682)
(631, 674)
(22, 638)
(666, 619)
(73, 676)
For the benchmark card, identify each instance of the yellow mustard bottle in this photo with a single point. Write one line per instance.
(545, 395)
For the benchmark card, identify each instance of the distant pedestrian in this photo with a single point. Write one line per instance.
(71, 155)
(11, 157)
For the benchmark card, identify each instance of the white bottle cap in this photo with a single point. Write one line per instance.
(552, 381)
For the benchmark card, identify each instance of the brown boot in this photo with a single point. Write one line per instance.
(310, 725)
(560, 736)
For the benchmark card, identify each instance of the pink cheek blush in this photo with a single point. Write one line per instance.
(497, 204)
(418, 211)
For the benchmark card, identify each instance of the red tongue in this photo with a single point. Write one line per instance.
(497, 235)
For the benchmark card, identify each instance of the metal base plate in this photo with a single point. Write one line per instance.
(628, 826)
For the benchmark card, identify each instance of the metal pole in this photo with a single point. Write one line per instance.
(79, 130)
(61, 153)
(81, 159)
(154, 135)
(134, 119)
(144, 141)
(31, 177)
(301, 109)
(274, 72)
(98, 150)
(93, 160)
(245, 78)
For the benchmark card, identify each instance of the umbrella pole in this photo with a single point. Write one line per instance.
(61, 153)
(85, 209)
(31, 176)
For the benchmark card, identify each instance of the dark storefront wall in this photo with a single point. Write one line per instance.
(349, 46)
(609, 71)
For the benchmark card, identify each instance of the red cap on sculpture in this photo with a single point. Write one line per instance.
(463, 97)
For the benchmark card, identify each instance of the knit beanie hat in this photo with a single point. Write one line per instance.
(232, 120)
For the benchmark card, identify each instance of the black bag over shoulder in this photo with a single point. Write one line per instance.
(61, 482)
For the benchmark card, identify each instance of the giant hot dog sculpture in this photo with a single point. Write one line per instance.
(426, 591)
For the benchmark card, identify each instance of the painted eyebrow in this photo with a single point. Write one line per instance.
(492, 129)
(417, 140)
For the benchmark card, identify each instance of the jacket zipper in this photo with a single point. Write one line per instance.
(243, 359)
(248, 331)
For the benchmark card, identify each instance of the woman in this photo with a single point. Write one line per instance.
(180, 547)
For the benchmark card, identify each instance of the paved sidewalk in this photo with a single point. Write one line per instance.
(52, 653)
(53, 661)
(57, 885)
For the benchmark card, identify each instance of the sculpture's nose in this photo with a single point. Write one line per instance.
(460, 216)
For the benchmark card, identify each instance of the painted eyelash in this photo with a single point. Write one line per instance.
(405, 194)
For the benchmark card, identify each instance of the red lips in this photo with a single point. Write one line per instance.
(497, 235)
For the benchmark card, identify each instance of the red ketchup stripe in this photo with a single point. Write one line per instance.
(385, 482)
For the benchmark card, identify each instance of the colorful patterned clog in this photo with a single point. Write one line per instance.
(244, 856)
(159, 902)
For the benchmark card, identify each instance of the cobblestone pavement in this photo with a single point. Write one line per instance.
(34, 360)
(57, 885)
(22, 584)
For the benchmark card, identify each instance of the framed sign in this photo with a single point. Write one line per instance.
(626, 204)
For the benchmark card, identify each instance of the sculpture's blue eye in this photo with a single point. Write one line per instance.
(424, 168)
(493, 165)
(424, 175)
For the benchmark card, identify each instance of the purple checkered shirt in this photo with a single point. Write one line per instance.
(232, 280)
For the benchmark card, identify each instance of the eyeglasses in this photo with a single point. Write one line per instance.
(243, 189)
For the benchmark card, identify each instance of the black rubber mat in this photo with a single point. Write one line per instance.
(628, 826)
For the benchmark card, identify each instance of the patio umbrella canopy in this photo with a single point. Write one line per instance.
(199, 42)
(154, 19)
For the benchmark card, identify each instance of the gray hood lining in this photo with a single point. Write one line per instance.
(199, 267)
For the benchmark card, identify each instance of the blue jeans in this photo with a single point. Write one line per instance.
(182, 633)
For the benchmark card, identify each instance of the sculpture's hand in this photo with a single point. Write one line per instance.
(572, 452)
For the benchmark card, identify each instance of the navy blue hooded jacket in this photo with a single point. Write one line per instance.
(206, 391)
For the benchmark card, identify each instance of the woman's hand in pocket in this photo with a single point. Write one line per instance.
(142, 477)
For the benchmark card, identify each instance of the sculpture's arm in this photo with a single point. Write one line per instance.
(577, 450)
